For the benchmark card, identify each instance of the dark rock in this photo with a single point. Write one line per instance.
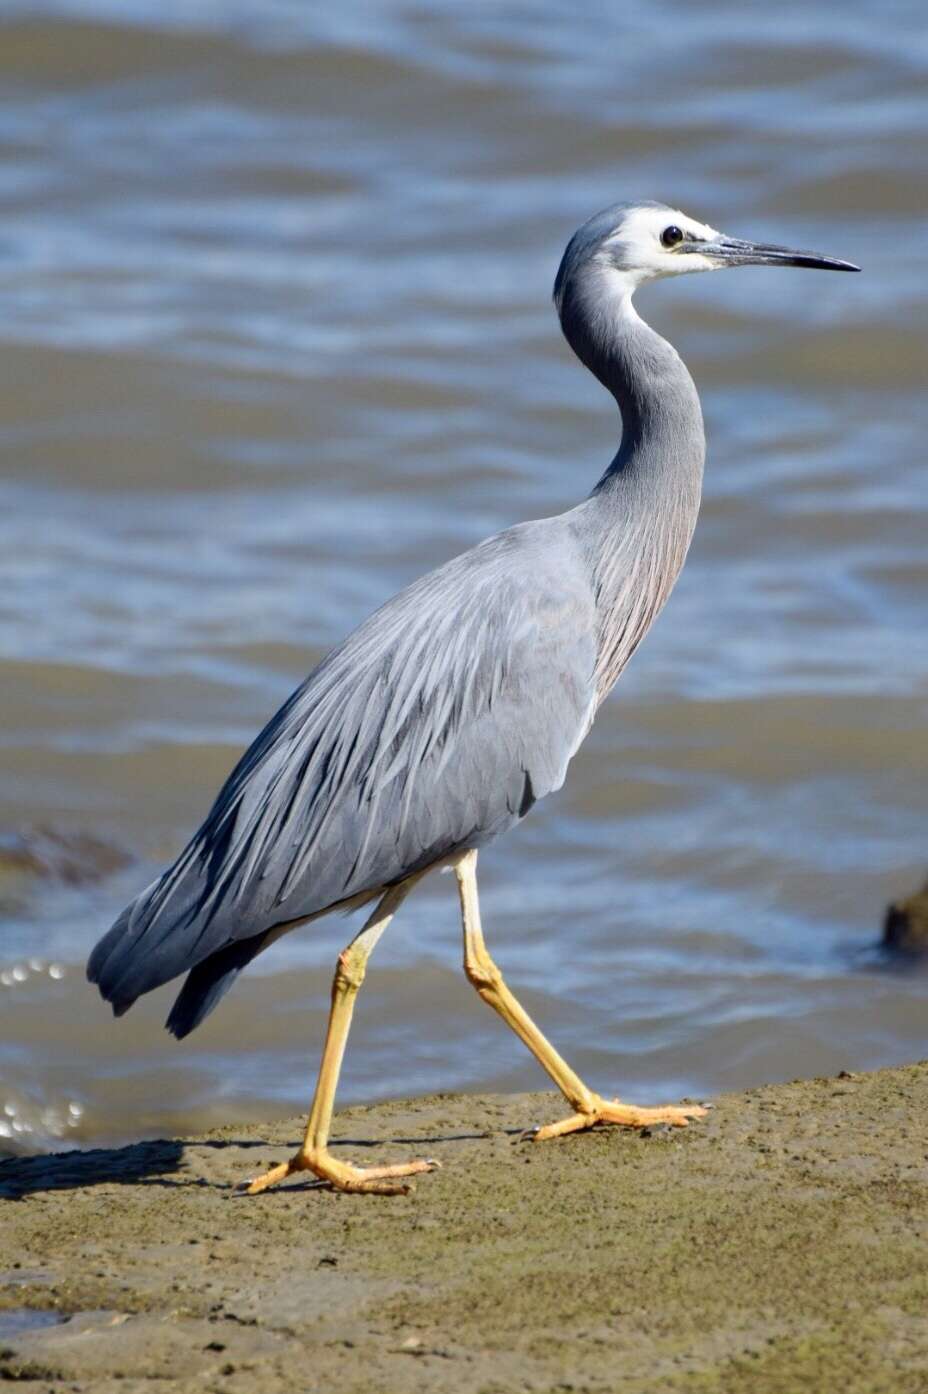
(905, 928)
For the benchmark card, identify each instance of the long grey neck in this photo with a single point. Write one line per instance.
(637, 524)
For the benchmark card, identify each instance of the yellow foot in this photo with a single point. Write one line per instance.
(342, 1175)
(620, 1115)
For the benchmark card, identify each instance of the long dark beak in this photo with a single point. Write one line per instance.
(733, 251)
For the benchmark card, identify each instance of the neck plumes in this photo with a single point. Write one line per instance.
(639, 519)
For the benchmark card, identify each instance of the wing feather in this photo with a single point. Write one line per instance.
(432, 728)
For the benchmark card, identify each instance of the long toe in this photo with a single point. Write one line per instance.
(400, 1169)
(627, 1115)
(269, 1178)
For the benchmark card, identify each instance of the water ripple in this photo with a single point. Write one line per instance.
(277, 337)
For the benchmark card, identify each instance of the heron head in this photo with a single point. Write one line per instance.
(631, 243)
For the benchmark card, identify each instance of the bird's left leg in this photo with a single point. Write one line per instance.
(589, 1108)
(314, 1154)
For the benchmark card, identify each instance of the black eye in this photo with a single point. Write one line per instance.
(671, 236)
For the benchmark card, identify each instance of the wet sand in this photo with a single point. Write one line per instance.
(782, 1244)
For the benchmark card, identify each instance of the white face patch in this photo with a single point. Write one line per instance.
(635, 253)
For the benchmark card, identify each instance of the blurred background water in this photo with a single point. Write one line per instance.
(275, 337)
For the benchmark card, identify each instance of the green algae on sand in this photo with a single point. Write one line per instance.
(780, 1245)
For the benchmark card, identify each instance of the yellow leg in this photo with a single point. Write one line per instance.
(588, 1107)
(314, 1154)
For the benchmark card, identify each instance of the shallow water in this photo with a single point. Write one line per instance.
(277, 336)
(15, 1320)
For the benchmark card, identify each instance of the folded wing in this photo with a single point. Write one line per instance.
(432, 728)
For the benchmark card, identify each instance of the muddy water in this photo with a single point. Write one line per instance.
(276, 336)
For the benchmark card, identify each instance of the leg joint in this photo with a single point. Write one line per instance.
(482, 972)
(349, 970)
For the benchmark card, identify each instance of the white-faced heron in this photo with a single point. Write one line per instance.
(437, 724)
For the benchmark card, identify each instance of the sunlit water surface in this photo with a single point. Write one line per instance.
(276, 337)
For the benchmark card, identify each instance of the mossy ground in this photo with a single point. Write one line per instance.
(781, 1245)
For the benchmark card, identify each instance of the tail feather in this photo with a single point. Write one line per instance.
(105, 947)
(111, 955)
(156, 938)
(209, 982)
(159, 936)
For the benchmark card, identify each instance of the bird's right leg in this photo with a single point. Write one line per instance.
(314, 1154)
(589, 1108)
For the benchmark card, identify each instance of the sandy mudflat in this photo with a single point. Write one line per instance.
(780, 1245)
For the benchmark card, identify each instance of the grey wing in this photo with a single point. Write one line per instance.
(432, 728)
